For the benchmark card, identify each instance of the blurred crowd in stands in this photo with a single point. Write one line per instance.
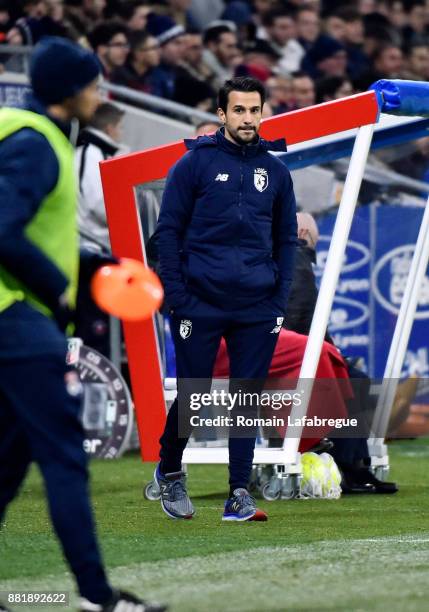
(305, 52)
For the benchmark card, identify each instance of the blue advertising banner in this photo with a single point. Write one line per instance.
(371, 287)
(13, 94)
(350, 318)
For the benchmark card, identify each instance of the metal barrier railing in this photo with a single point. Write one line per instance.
(158, 104)
(17, 57)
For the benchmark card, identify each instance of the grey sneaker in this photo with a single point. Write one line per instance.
(242, 507)
(174, 498)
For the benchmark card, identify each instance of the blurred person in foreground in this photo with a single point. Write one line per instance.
(40, 400)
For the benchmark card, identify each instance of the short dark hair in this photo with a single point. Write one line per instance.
(213, 34)
(103, 33)
(245, 84)
(327, 86)
(106, 114)
(194, 31)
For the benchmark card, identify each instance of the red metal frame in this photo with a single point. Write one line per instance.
(122, 174)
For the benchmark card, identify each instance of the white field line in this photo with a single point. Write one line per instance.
(353, 575)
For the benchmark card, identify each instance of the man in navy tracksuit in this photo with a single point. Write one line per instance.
(39, 395)
(226, 238)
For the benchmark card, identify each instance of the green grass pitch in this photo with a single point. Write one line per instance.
(354, 554)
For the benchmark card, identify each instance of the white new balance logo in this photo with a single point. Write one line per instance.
(278, 327)
(222, 177)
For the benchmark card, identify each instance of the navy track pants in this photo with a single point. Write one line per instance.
(250, 348)
(39, 421)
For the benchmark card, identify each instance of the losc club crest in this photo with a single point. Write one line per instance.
(260, 179)
(185, 328)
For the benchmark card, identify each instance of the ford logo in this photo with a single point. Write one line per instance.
(356, 255)
(347, 313)
(389, 279)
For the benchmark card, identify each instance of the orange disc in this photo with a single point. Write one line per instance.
(128, 290)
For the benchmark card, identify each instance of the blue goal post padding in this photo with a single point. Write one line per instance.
(401, 97)
(342, 147)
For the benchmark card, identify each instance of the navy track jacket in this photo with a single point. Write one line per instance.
(227, 227)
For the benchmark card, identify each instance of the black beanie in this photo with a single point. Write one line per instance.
(60, 69)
